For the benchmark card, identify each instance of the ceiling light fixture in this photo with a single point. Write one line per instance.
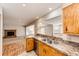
(37, 17)
(50, 9)
(23, 5)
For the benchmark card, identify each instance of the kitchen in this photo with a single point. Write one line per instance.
(53, 34)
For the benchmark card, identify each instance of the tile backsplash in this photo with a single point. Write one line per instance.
(73, 38)
(68, 37)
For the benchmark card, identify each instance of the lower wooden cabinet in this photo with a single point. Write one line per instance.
(42, 49)
(45, 50)
(29, 44)
(36, 46)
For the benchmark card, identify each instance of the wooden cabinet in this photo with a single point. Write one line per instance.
(29, 44)
(71, 19)
(45, 50)
(36, 46)
(41, 49)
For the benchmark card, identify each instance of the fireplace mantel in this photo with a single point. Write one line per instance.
(10, 33)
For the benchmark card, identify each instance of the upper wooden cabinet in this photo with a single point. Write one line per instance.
(71, 19)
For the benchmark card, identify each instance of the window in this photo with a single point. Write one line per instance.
(30, 30)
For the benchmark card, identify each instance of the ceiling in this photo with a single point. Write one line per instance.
(17, 15)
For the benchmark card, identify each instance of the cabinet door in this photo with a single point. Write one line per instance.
(45, 50)
(40, 48)
(55, 52)
(36, 42)
(76, 18)
(71, 19)
(29, 44)
(50, 51)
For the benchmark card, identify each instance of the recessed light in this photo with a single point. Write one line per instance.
(50, 9)
(37, 17)
(23, 5)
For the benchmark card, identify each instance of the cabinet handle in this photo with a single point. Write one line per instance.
(28, 43)
(66, 29)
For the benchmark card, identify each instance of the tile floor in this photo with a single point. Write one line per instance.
(32, 53)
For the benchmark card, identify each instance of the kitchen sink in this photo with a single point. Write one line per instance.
(50, 41)
(47, 40)
(44, 39)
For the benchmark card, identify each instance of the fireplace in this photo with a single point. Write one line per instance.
(10, 33)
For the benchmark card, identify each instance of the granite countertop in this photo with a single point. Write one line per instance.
(69, 48)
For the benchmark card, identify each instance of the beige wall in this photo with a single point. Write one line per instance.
(1, 19)
(20, 30)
